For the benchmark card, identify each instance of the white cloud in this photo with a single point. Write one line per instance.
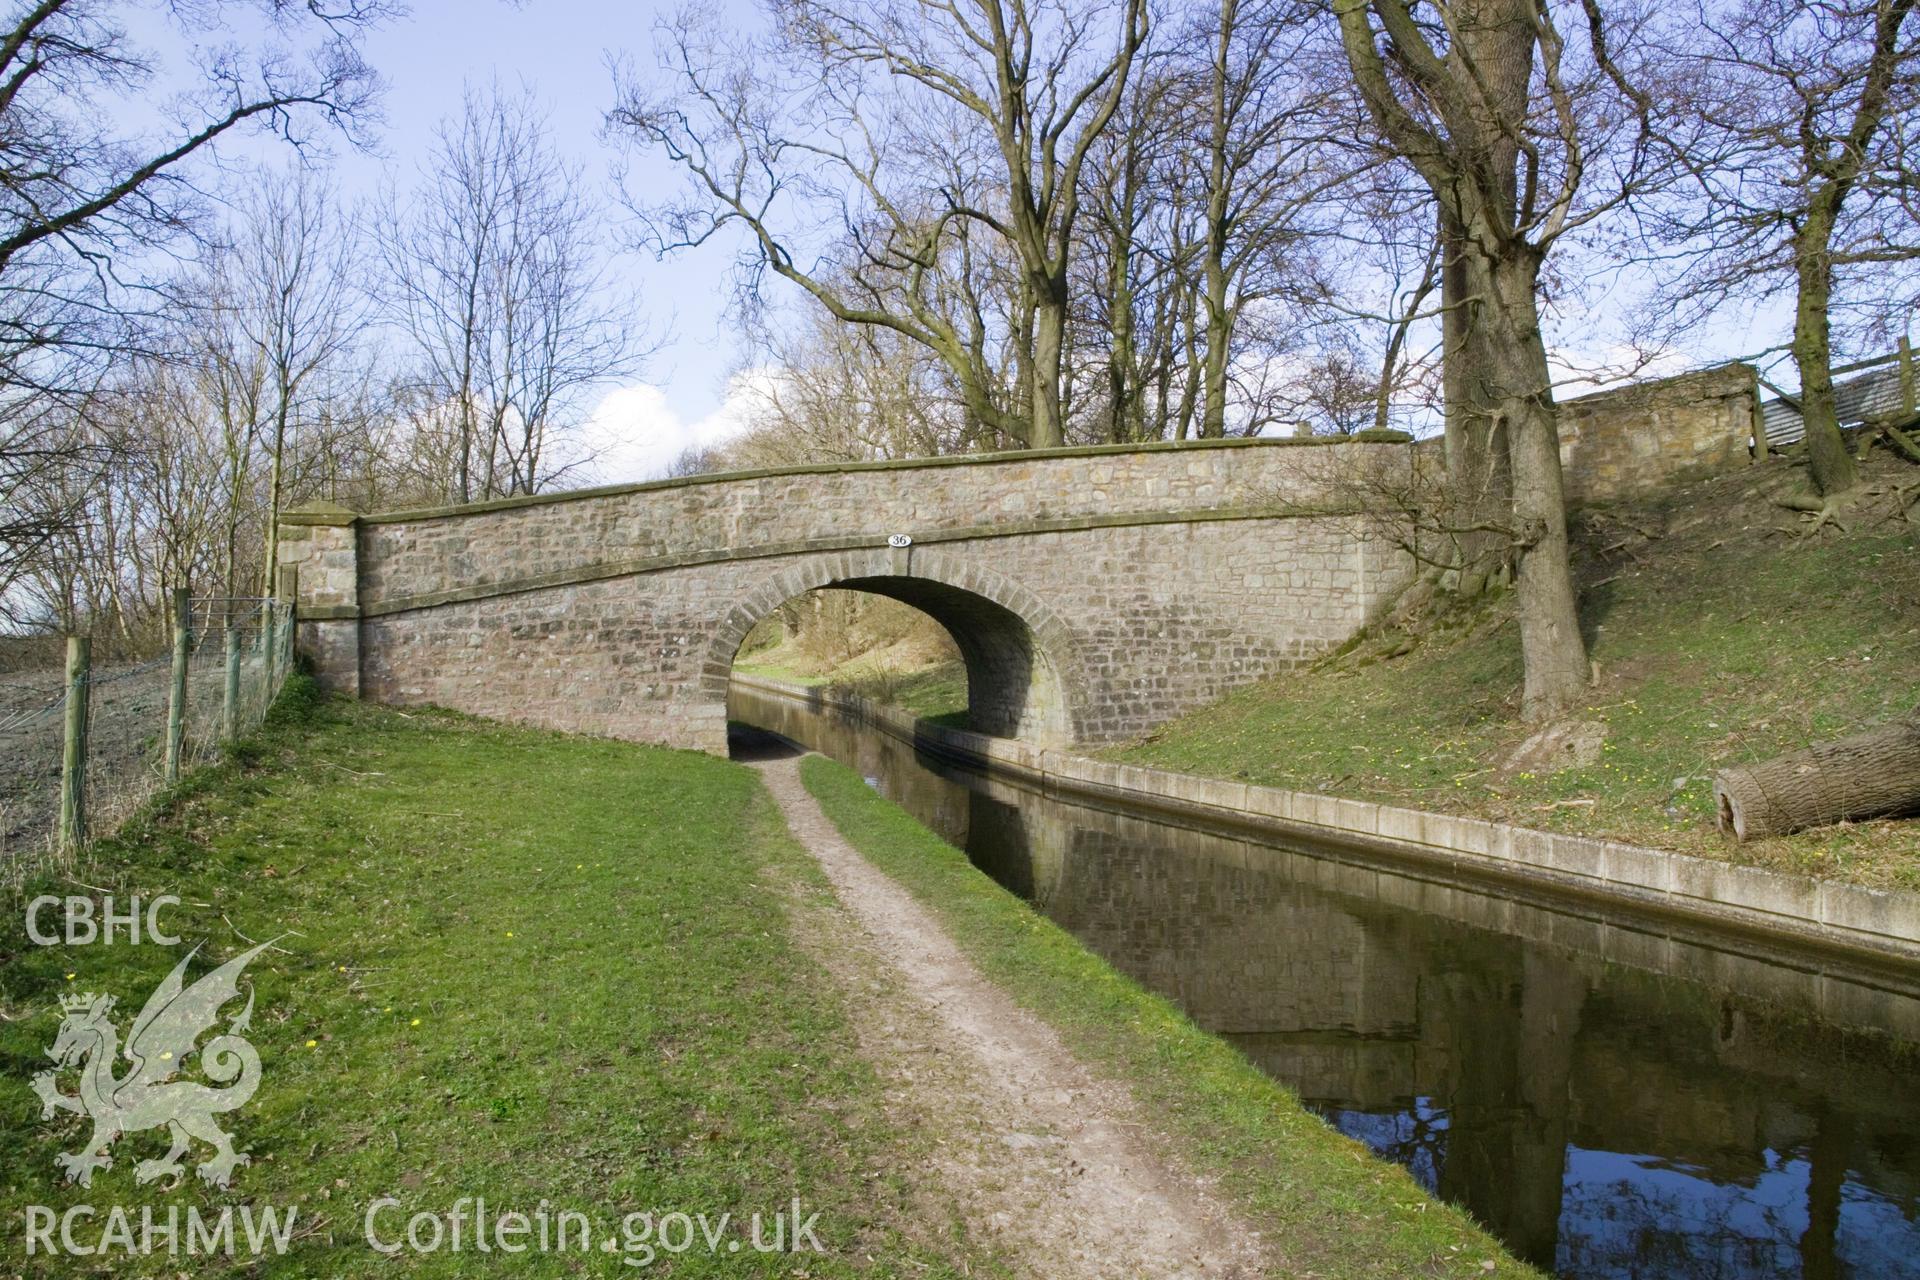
(635, 433)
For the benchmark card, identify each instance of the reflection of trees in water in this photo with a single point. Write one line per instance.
(1703, 1231)
(1415, 1139)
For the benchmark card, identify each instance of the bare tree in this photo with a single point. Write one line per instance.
(1795, 121)
(299, 306)
(1134, 300)
(230, 379)
(496, 278)
(851, 393)
(1506, 125)
(87, 193)
(858, 112)
(74, 184)
(1270, 156)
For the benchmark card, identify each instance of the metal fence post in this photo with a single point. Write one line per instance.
(177, 696)
(73, 755)
(230, 704)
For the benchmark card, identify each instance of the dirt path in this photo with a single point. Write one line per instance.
(1036, 1154)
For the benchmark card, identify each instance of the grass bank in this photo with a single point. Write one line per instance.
(1722, 634)
(513, 965)
(937, 693)
(1330, 1207)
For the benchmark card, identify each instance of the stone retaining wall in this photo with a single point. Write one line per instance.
(1636, 439)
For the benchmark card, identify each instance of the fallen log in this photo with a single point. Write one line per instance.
(1875, 774)
(1900, 439)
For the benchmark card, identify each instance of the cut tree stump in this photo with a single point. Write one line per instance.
(1875, 774)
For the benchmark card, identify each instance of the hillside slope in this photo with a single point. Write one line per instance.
(1724, 630)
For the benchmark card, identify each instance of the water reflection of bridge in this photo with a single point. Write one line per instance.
(1506, 1048)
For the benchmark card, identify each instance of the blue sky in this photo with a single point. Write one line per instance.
(560, 48)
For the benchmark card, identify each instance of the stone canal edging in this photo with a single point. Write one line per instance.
(1869, 924)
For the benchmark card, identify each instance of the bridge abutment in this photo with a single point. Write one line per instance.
(320, 544)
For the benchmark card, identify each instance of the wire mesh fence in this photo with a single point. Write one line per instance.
(81, 749)
(32, 710)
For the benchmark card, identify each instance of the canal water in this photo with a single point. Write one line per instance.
(1610, 1096)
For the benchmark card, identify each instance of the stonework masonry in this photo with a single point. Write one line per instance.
(1639, 438)
(1094, 593)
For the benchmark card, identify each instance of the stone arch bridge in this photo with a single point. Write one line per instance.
(1093, 592)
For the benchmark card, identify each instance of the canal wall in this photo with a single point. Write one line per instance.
(1871, 926)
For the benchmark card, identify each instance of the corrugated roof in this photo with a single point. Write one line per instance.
(1873, 394)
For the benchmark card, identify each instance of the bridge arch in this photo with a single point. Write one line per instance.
(1024, 676)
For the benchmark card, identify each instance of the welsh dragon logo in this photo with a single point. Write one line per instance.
(151, 1092)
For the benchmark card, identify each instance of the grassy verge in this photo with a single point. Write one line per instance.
(1329, 1206)
(777, 671)
(1720, 639)
(517, 966)
(937, 693)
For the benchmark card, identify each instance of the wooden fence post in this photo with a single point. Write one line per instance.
(73, 754)
(230, 703)
(1907, 406)
(177, 695)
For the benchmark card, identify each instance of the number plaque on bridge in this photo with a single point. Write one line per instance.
(899, 540)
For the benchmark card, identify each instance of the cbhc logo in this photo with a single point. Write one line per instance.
(81, 926)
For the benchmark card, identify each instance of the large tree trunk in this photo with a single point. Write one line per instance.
(1049, 344)
(1494, 49)
(1833, 469)
(1555, 655)
(1479, 484)
(1875, 774)
(1213, 421)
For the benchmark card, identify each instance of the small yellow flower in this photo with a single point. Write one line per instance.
(313, 1044)
(388, 1009)
(509, 933)
(69, 977)
(415, 1022)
